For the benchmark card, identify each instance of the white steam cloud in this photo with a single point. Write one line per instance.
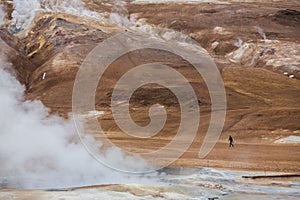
(74, 7)
(120, 16)
(25, 11)
(2, 15)
(42, 151)
(261, 32)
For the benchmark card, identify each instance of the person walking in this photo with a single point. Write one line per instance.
(230, 140)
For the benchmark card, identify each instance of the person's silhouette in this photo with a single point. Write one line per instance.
(230, 139)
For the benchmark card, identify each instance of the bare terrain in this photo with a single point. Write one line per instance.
(263, 103)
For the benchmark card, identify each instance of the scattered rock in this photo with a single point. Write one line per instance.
(246, 55)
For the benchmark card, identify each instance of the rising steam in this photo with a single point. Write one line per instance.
(2, 15)
(25, 11)
(42, 151)
(38, 150)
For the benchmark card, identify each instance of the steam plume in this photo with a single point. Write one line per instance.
(42, 151)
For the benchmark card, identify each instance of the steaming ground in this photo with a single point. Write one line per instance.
(177, 184)
(42, 151)
(25, 11)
